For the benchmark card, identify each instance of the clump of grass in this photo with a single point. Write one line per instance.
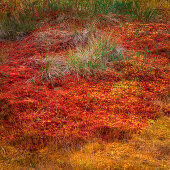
(134, 9)
(94, 6)
(15, 26)
(16, 19)
(54, 67)
(89, 60)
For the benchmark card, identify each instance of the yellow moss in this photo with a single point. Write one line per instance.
(141, 152)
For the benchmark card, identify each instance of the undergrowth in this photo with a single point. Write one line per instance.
(84, 124)
(18, 17)
(134, 9)
(15, 24)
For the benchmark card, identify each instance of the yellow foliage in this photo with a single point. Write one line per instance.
(149, 150)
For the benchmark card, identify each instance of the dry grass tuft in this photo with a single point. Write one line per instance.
(91, 59)
(54, 67)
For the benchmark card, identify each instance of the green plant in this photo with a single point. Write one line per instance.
(87, 61)
(135, 9)
(17, 25)
(79, 6)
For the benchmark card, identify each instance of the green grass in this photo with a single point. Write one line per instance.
(14, 26)
(134, 9)
(89, 60)
(21, 19)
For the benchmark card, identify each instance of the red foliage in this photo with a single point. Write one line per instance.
(71, 109)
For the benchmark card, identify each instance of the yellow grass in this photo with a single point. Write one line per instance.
(149, 150)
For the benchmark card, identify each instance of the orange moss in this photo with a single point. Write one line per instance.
(113, 105)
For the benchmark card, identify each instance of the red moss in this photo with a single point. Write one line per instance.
(70, 109)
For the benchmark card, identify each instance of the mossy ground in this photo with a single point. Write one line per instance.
(53, 116)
